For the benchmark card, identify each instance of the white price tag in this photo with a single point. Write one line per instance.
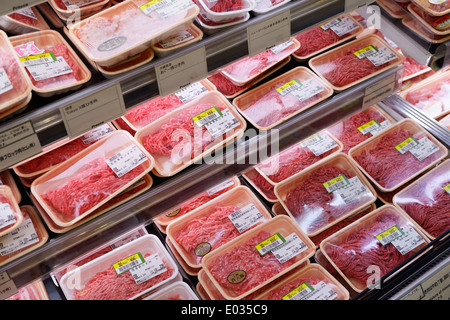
(152, 267)
(301, 90)
(5, 83)
(96, 134)
(408, 241)
(6, 215)
(291, 248)
(353, 190)
(245, 218)
(269, 33)
(219, 126)
(319, 144)
(126, 160)
(24, 236)
(424, 149)
(49, 70)
(191, 92)
(382, 56)
(94, 110)
(341, 26)
(166, 8)
(18, 144)
(277, 49)
(306, 291)
(181, 72)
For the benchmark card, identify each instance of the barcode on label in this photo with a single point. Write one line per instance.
(5, 83)
(336, 183)
(246, 217)
(389, 235)
(269, 244)
(6, 215)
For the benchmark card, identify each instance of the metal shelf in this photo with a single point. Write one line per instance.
(139, 211)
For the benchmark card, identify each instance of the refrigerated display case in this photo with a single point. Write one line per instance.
(115, 94)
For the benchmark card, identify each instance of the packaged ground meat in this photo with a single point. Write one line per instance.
(261, 184)
(210, 27)
(361, 126)
(15, 86)
(60, 152)
(28, 236)
(155, 108)
(427, 200)
(23, 20)
(325, 193)
(393, 8)
(51, 64)
(432, 95)
(191, 132)
(67, 8)
(434, 7)
(207, 228)
(373, 245)
(326, 35)
(33, 291)
(125, 273)
(187, 268)
(10, 214)
(281, 98)
(398, 154)
(131, 192)
(439, 25)
(312, 282)
(248, 68)
(258, 257)
(422, 31)
(120, 32)
(356, 61)
(298, 157)
(109, 167)
(221, 11)
(178, 290)
(231, 90)
(175, 213)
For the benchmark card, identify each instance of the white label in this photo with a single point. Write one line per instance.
(167, 8)
(384, 55)
(126, 160)
(94, 110)
(220, 187)
(277, 49)
(383, 125)
(25, 235)
(96, 134)
(180, 72)
(424, 149)
(408, 241)
(5, 84)
(352, 191)
(219, 126)
(341, 26)
(177, 39)
(336, 183)
(308, 89)
(319, 144)
(389, 235)
(6, 215)
(268, 33)
(152, 267)
(190, 92)
(245, 218)
(127, 239)
(49, 70)
(291, 248)
(18, 144)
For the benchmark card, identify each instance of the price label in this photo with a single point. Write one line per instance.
(5, 83)
(269, 33)
(269, 244)
(126, 160)
(180, 72)
(336, 183)
(245, 218)
(128, 263)
(94, 110)
(152, 267)
(18, 144)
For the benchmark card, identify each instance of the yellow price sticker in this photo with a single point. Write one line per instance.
(406, 145)
(270, 243)
(42, 57)
(207, 116)
(128, 263)
(149, 4)
(364, 52)
(336, 183)
(370, 124)
(389, 235)
(304, 289)
(447, 188)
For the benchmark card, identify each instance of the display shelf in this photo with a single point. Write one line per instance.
(249, 150)
(140, 84)
(436, 56)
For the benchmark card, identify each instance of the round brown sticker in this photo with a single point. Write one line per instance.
(237, 276)
(173, 213)
(202, 249)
